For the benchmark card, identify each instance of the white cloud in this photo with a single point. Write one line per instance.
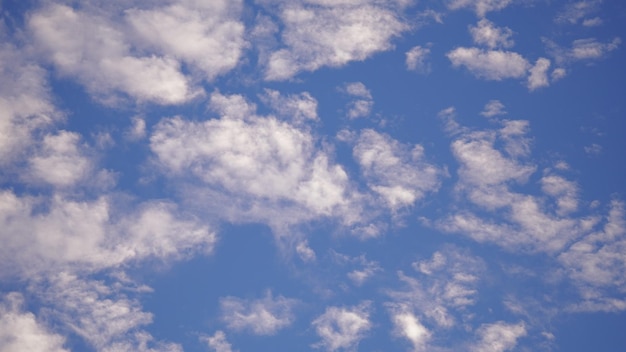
(217, 342)
(558, 73)
(296, 108)
(207, 35)
(363, 269)
(581, 49)
(593, 149)
(327, 33)
(481, 7)
(416, 59)
(445, 286)
(539, 74)
(493, 108)
(575, 11)
(137, 131)
(267, 169)
(20, 331)
(596, 264)
(490, 65)
(60, 161)
(265, 316)
(50, 235)
(343, 327)
(397, 172)
(486, 33)
(407, 325)
(498, 337)
(305, 252)
(362, 105)
(25, 104)
(593, 22)
(104, 317)
(105, 65)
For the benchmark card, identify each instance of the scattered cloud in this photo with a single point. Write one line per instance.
(397, 172)
(106, 66)
(342, 327)
(574, 12)
(491, 64)
(486, 33)
(325, 33)
(416, 59)
(268, 169)
(264, 316)
(20, 330)
(296, 108)
(539, 74)
(498, 337)
(493, 108)
(593, 149)
(408, 326)
(481, 7)
(581, 50)
(363, 102)
(206, 35)
(217, 342)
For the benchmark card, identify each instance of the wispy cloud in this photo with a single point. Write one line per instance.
(342, 328)
(264, 316)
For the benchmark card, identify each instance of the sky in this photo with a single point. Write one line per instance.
(312, 175)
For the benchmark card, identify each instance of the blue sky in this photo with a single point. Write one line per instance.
(328, 175)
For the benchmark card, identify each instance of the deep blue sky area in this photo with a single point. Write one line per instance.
(323, 175)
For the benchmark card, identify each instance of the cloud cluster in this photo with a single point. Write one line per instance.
(342, 328)
(265, 316)
(318, 33)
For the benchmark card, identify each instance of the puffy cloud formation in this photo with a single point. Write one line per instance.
(206, 35)
(265, 316)
(416, 59)
(218, 342)
(539, 74)
(398, 173)
(481, 7)
(491, 64)
(20, 331)
(493, 108)
(362, 104)
(486, 33)
(106, 66)
(342, 327)
(321, 33)
(85, 236)
(269, 170)
(498, 337)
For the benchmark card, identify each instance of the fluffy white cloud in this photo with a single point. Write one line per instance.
(95, 51)
(416, 59)
(486, 33)
(597, 262)
(342, 327)
(265, 316)
(491, 64)
(408, 326)
(20, 331)
(330, 33)
(575, 11)
(104, 317)
(218, 342)
(397, 172)
(25, 104)
(296, 108)
(362, 104)
(45, 236)
(481, 7)
(207, 35)
(268, 169)
(493, 108)
(59, 160)
(581, 49)
(539, 74)
(498, 337)
(446, 284)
